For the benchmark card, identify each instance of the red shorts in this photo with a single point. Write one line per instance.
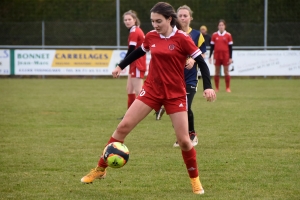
(221, 58)
(134, 72)
(219, 62)
(171, 105)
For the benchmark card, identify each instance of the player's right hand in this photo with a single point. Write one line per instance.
(209, 95)
(116, 72)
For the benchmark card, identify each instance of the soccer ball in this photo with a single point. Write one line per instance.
(116, 154)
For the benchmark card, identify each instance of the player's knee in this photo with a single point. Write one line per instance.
(184, 143)
(124, 128)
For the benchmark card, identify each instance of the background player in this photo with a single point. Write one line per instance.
(138, 67)
(164, 86)
(207, 38)
(221, 43)
(184, 14)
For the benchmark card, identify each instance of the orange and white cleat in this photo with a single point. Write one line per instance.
(196, 185)
(97, 173)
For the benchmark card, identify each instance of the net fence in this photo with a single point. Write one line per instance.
(93, 22)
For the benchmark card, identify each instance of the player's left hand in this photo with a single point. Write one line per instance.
(189, 63)
(210, 95)
(230, 61)
(116, 72)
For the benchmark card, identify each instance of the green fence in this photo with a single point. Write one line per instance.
(93, 22)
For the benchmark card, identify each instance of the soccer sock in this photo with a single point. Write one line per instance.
(101, 162)
(217, 80)
(189, 158)
(131, 98)
(227, 81)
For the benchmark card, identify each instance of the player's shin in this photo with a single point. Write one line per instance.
(190, 161)
(101, 162)
(217, 80)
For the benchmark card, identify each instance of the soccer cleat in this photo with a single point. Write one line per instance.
(228, 90)
(176, 144)
(96, 173)
(194, 138)
(160, 113)
(196, 185)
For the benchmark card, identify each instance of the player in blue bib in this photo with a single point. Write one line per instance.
(184, 14)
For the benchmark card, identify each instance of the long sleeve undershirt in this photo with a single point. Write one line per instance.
(130, 49)
(137, 53)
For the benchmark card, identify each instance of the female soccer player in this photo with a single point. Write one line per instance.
(184, 14)
(221, 43)
(138, 67)
(164, 85)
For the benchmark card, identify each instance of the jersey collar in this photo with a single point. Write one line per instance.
(132, 28)
(190, 29)
(172, 34)
(219, 33)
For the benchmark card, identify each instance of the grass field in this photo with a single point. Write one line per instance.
(53, 131)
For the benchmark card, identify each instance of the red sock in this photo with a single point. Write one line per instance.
(131, 98)
(190, 161)
(217, 80)
(101, 162)
(227, 81)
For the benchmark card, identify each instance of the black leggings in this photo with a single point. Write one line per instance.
(190, 93)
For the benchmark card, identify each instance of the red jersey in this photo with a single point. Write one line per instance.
(136, 38)
(168, 58)
(221, 41)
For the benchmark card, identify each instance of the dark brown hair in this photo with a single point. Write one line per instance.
(133, 14)
(167, 11)
(223, 21)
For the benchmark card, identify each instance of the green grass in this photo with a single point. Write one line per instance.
(52, 133)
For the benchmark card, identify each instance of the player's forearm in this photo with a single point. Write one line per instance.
(211, 50)
(204, 72)
(136, 54)
(230, 50)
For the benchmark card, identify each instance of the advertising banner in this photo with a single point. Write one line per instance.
(263, 63)
(66, 62)
(102, 62)
(4, 62)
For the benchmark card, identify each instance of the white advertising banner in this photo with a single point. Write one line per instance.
(263, 63)
(102, 62)
(4, 62)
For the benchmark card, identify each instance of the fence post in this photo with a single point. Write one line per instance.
(118, 22)
(43, 34)
(266, 25)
